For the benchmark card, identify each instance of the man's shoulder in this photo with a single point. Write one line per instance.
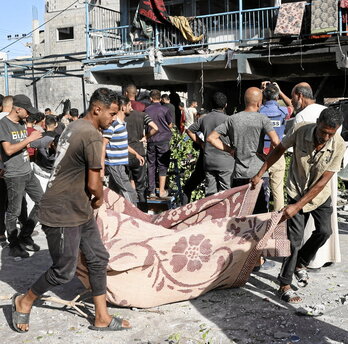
(83, 128)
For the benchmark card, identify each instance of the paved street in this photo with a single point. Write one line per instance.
(251, 314)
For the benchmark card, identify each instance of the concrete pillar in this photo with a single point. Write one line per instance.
(193, 92)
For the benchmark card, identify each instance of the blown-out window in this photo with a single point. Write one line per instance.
(65, 33)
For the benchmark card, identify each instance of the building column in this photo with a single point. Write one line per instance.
(193, 92)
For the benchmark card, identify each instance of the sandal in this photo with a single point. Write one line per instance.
(289, 296)
(115, 325)
(302, 277)
(17, 317)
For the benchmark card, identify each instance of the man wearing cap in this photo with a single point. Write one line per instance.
(19, 177)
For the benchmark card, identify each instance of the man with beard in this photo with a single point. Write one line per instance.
(67, 218)
(318, 152)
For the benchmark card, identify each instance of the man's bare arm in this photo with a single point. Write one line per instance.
(272, 158)
(292, 209)
(137, 155)
(13, 148)
(151, 132)
(95, 187)
(214, 140)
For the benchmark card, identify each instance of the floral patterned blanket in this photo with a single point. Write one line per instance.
(290, 16)
(184, 252)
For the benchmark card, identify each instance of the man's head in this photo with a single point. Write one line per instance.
(74, 114)
(271, 92)
(301, 96)
(193, 103)
(219, 101)
(181, 106)
(155, 96)
(22, 106)
(131, 91)
(48, 111)
(253, 98)
(329, 121)
(51, 122)
(103, 106)
(124, 105)
(7, 104)
(165, 99)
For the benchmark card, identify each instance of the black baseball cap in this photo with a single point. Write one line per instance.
(21, 100)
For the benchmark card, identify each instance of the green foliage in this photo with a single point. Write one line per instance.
(341, 185)
(186, 156)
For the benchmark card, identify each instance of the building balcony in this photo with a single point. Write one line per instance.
(236, 30)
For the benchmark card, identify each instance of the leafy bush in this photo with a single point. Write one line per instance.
(186, 156)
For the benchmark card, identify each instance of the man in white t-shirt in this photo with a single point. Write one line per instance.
(191, 114)
(304, 104)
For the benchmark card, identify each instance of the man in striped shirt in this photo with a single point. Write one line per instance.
(115, 153)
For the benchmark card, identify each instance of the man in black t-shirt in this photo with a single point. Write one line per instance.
(137, 123)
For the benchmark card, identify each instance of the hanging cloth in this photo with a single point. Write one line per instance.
(324, 16)
(182, 24)
(154, 10)
(290, 18)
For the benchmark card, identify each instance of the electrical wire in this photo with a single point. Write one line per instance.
(29, 33)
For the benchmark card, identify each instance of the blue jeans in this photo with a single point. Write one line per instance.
(17, 187)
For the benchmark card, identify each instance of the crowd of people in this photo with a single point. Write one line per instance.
(125, 143)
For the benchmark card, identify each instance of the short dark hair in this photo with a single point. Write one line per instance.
(1, 99)
(155, 94)
(50, 120)
(165, 96)
(305, 91)
(47, 109)
(219, 100)
(74, 112)
(122, 100)
(35, 117)
(103, 95)
(271, 92)
(331, 117)
(181, 104)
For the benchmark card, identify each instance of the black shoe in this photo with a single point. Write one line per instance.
(3, 241)
(17, 251)
(29, 247)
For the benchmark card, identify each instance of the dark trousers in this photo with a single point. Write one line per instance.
(17, 187)
(261, 203)
(119, 182)
(139, 175)
(158, 157)
(64, 244)
(295, 226)
(3, 205)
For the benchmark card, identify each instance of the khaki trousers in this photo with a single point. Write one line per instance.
(276, 183)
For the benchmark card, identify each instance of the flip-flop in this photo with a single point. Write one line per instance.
(302, 277)
(18, 317)
(115, 325)
(288, 295)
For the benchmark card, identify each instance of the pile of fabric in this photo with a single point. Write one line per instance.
(185, 252)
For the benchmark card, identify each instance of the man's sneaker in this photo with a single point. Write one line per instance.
(29, 246)
(17, 251)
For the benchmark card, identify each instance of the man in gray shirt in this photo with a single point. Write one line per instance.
(19, 177)
(218, 166)
(246, 131)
